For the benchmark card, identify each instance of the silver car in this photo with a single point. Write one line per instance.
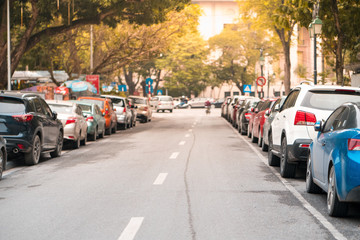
(71, 116)
(164, 103)
(123, 111)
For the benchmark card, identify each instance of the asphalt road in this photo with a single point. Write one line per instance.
(184, 176)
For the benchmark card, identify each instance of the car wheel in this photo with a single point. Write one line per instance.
(273, 160)
(2, 160)
(108, 131)
(248, 132)
(311, 187)
(113, 130)
(264, 147)
(94, 136)
(253, 138)
(83, 142)
(32, 158)
(76, 143)
(134, 124)
(334, 206)
(59, 146)
(287, 170)
(260, 139)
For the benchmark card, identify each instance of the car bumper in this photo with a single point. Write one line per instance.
(69, 132)
(299, 150)
(121, 119)
(164, 107)
(350, 182)
(15, 145)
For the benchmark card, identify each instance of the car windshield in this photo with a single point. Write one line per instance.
(139, 101)
(97, 102)
(329, 100)
(86, 108)
(10, 106)
(118, 101)
(61, 108)
(166, 99)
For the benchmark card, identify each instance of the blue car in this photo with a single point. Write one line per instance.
(334, 161)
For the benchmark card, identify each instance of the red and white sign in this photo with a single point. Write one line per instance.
(62, 90)
(94, 80)
(261, 81)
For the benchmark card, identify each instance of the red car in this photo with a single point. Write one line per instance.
(259, 120)
(253, 112)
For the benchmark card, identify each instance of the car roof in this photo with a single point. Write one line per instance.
(137, 97)
(326, 87)
(83, 102)
(18, 94)
(111, 96)
(61, 102)
(94, 98)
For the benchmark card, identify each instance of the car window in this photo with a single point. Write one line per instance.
(38, 107)
(290, 100)
(11, 106)
(85, 108)
(139, 101)
(274, 105)
(332, 120)
(166, 99)
(97, 102)
(78, 110)
(60, 108)
(329, 100)
(117, 101)
(46, 108)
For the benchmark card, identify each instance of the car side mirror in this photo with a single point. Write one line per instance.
(318, 126)
(267, 112)
(54, 115)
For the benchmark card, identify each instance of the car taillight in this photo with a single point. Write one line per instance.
(90, 119)
(70, 120)
(247, 116)
(354, 144)
(304, 118)
(124, 110)
(23, 118)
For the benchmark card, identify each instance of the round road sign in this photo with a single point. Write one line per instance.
(261, 81)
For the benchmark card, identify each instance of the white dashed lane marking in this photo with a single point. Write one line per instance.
(174, 155)
(131, 229)
(160, 179)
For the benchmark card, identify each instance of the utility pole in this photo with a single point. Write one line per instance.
(8, 46)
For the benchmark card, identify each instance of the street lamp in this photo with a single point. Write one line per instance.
(314, 30)
(261, 62)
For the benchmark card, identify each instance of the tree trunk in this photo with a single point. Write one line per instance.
(287, 68)
(129, 80)
(339, 44)
(157, 81)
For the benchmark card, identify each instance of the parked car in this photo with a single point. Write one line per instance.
(123, 111)
(333, 164)
(197, 103)
(218, 103)
(29, 126)
(107, 109)
(94, 118)
(3, 156)
(259, 120)
(240, 107)
(292, 129)
(244, 117)
(74, 123)
(164, 103)
(144, 111)
(266, 128)
(224, 107)
(232, 107)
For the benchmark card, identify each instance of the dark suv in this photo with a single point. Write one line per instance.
(29, 126)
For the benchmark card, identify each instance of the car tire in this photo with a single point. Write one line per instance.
(33, 157)
(273, 160)
(83, 142)
(76, 143)
(311, 187)
(108, 131)
(264, 147)
(260, 139)
(113, 129)
(287, 170)
(2, 162)
(248, 134)
(334, 206)
(102, 134)
(59, 146)
(253, 138)
(134, 124)
(94, 136)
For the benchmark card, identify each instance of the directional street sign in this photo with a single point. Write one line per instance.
(247, 88)
(149, 81)
(261, 81)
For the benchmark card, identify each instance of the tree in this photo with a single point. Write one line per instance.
(239, 54)
(279, 17)
(339, 33)
(45, 19)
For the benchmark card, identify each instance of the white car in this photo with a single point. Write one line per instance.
(163, 103)
(292, 128)
(71, 116)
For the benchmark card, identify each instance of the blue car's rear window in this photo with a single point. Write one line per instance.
(10, 106)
